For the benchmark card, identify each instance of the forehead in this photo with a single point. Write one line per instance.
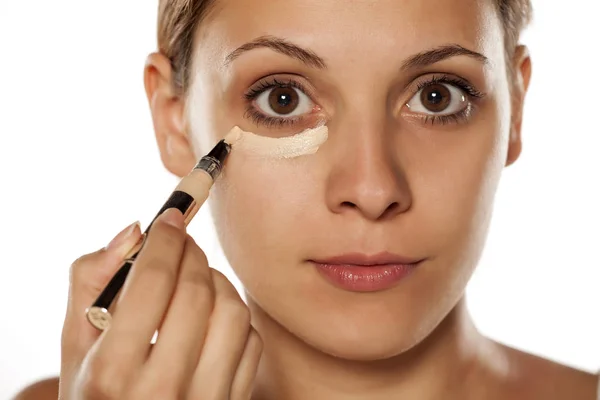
(355, 28)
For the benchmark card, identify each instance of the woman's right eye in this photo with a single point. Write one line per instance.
(283, 101)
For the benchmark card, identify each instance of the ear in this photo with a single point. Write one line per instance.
(521, 64)
(168, 116)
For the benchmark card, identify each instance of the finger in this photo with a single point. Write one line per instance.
(243, 382)
(88, 277)
(176, 353)
(228, 331)
(147, 292)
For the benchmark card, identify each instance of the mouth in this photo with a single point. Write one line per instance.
(366, 273)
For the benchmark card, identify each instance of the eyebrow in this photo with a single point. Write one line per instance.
(311, 59)
(281, 46)
(441, 53)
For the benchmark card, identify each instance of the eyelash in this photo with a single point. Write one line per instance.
(269, 121)
(462, 84)
(280, 122)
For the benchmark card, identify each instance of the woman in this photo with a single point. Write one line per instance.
(424, 111)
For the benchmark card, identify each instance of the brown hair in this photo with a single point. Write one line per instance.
(178, 19)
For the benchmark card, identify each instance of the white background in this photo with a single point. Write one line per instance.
(78, 162)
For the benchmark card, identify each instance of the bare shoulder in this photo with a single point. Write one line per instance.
(534, 377)
(46, 389)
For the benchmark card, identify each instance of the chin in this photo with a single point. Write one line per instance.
(363, 336)
(364, 351)
(362, 345)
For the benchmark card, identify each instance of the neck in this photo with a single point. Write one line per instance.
(454, 362)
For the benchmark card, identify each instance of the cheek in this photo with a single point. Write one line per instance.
(459, 183)
(260, 208)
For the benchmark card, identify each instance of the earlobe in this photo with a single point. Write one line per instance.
(168, 116)
(520, 84)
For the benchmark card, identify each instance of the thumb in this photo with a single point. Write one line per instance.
(88, 277)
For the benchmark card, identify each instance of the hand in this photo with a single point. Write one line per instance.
(206, 348)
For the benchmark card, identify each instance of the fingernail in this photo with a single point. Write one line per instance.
(173, 217)
(122, 236)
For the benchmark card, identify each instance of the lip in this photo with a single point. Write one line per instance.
(358, 272)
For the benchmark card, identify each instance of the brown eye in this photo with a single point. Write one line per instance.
(435, 98)
(439, 98)
(284, 101)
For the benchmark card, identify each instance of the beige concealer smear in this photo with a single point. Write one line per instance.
(304, 143)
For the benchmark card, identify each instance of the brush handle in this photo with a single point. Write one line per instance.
(98, 314)
(189, 195)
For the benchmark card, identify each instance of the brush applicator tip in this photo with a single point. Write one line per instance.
(233, 136)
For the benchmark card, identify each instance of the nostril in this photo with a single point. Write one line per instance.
(348, 204)
(372, 210)
(391, 209)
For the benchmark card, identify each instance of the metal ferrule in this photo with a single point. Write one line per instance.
(212, 163)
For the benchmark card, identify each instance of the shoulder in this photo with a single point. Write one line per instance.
(46, 389)
(534, 377)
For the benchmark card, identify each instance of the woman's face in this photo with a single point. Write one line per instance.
(416, 99)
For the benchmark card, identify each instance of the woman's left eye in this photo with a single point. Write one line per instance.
(439, 99)
(283, 101)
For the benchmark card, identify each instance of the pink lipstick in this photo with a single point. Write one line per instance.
(362, 273)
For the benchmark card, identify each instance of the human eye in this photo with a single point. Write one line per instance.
(276, 102)
(443, 99)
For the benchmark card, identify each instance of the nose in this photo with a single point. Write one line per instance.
(367, 177)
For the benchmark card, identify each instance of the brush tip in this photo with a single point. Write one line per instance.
(233, 136)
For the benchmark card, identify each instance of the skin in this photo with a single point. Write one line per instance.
(169, 286)
(414, 189)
